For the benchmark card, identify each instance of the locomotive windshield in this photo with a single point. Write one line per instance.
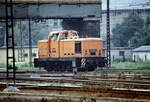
(64, 36)
(54, 36)
(74, 34)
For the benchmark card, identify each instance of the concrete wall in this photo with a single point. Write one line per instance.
(25, 55)
(116, 54)
(141, 56)
(54, 10)
(2, 56)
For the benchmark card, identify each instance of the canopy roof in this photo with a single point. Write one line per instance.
(55, 1)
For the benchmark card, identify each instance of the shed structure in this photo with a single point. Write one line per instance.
(141, 53)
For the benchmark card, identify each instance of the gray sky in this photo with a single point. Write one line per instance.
(125, 4)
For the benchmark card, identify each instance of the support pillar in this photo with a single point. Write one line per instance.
(108, 37)
(30, 44)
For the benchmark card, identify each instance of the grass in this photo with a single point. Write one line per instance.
(20, 66)
(132, 65)
(141, 67)
(123, 65)
(25, 66)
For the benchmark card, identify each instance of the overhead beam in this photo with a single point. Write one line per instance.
(55, 1)
(51, 11)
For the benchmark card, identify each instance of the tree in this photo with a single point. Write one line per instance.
(142, 37)
(123, 32)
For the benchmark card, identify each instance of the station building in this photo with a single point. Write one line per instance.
(21, 54)
(141, 53)
(119, 54)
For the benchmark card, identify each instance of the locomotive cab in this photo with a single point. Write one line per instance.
(64, 51)
(56, 36)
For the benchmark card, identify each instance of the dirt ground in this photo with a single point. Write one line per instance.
(41, 95)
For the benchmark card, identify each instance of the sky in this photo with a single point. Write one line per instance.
(126, 4)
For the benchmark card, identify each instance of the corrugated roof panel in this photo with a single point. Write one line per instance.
(142, 49)
(126, 4)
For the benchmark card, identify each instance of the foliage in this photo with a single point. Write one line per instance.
(142, 37)
(123, 32)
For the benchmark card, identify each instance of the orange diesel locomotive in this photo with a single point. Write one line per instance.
(64, 51)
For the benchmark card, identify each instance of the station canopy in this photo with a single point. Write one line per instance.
(55, 1)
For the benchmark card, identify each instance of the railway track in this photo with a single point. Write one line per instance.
(43, 76)
(89, 85)
(85, 80)
(80, 92)
(49, 76)
(100, 70)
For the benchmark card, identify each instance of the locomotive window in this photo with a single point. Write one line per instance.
(74, 34)
(54, 36)
(92, 51)
(78, 47)
(99, 52)
(63, 36)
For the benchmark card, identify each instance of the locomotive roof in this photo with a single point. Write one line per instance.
(61, 31)
(145, 48)
(81, 39)
(43, 40)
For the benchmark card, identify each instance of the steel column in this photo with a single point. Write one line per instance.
(21, 49)
(108, 37)
(30, 44)
(10, 42)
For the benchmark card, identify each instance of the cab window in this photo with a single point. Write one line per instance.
(54, 37)
(63, 36)
(74, 34)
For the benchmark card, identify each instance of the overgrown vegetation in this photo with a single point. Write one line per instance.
(133, 31)
(132, 65)
(21, 66)
(123, 32)
(142, 37)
